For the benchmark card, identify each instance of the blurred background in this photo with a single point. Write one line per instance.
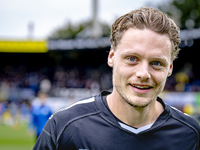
(61, 47)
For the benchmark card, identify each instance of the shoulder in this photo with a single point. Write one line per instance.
(184, 119)
(77, 110)
(65, 117)
(71, 117)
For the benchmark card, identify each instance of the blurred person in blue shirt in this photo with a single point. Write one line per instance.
(41, 112)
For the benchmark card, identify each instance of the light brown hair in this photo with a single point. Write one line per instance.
(146, 18)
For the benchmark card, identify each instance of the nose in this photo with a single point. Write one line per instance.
(142, 71)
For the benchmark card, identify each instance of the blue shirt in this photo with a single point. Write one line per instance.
(40, 115)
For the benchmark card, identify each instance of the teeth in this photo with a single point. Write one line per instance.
(142, 87)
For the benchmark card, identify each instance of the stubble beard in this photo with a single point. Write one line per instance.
(126, 97)
(130, 100)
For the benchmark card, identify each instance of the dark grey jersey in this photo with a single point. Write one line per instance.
(89, 125)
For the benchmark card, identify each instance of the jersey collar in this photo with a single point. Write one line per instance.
(108, 116)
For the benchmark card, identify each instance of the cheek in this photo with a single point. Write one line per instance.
(120, 74)
(160, 78)
(123, 71)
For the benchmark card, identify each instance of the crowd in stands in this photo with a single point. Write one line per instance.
(18, 84)
(187, 79)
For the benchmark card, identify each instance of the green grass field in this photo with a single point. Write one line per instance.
(16, 138)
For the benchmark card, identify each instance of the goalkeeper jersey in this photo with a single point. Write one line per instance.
(90, 125)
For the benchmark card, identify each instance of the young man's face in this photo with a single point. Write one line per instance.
(141, 64)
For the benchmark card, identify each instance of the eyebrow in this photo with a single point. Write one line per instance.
(162, 59)
(125, 53)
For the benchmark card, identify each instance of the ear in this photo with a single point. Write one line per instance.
(111, 57)
(170, 69)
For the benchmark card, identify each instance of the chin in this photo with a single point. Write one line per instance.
(133, 99)
(139, 103)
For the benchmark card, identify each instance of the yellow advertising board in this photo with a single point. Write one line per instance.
(23, 46)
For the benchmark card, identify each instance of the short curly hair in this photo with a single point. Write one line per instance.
(146, 18)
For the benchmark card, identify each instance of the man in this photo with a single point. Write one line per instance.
(144, 44)
(40, 113)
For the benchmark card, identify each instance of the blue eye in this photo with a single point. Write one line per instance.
(156, 63)
(132, 59)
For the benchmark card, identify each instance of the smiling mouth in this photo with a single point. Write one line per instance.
(142, 87)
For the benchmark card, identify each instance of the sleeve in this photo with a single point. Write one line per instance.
(46, 140)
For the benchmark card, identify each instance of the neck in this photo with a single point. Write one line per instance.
(134, 116)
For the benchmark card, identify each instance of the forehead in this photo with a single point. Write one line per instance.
(145, 42)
